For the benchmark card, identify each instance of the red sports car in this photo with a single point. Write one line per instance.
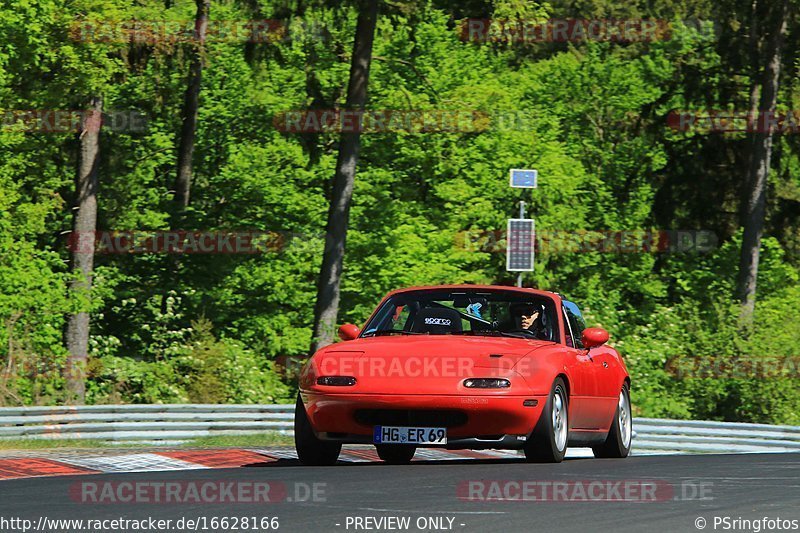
(466, 367)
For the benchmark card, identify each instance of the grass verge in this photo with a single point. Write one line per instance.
(216, 441)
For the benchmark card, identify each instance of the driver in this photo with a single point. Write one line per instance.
(528, 317)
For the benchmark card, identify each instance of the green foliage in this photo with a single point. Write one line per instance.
(185, 365)
(691, 364)
(225, 372)
(591, 117)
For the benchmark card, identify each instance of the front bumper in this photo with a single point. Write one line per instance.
(496, 420)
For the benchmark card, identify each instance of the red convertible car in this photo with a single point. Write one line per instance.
(466, 367)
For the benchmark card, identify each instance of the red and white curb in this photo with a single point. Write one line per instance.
(58, 463)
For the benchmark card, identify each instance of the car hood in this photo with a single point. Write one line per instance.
(418, 364)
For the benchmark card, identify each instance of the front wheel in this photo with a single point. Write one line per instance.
(396, 454)
(618, 442)
(310, 450)
(548, 442)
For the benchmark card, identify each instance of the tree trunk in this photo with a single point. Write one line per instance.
(327, 305)
(755, 54)
(757, 75)
(191, 103)
(182, 186)
(755, 205)
(756, 80)
(84, 225)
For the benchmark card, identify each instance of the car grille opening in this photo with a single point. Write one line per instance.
(448, 418)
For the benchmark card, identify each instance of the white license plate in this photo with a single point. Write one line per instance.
(408, 435)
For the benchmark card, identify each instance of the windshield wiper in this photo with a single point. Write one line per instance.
(498, 333)
(474, 333)
(381, 332)
(488, 333)
(519, 334)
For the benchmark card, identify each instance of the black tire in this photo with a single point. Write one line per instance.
(396, 454)
(310, 450)
(543, 446)
(618, 442)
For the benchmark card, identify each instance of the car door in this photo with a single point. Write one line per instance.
(582, 370)
(607, 381)
(599, 370)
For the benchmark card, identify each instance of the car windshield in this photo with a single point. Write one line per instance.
(466, 312)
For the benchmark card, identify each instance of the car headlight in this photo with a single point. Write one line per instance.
(337, 381)
(486, 383)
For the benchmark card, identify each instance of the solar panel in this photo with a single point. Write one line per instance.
(524, 179)
(520, 242)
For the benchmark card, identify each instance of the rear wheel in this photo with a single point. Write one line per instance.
(396, 454)
(548, 442)
(618, 442)
(310, 450)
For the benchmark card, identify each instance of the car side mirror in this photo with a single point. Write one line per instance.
(593, 337)
(348, 332)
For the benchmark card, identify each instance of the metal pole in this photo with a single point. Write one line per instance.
(521, 215)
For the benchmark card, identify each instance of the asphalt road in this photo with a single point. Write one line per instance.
(747, 487)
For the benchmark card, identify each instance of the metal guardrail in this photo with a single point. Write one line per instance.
(143, 422)
(175, 422)
(654, 435)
